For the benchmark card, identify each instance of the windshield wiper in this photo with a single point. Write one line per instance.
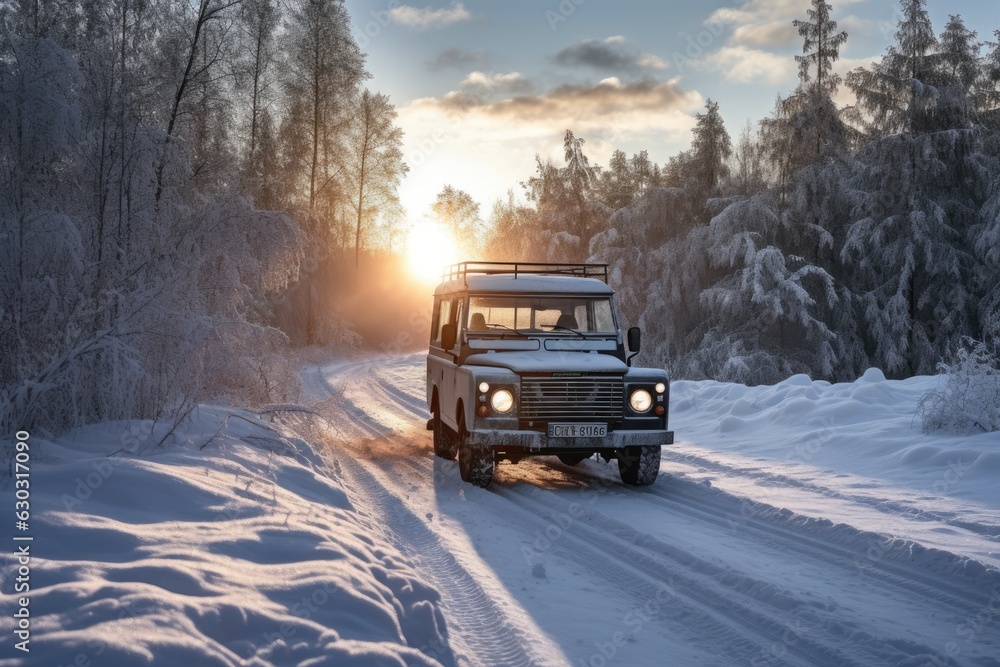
(562, 328)
(507, 328)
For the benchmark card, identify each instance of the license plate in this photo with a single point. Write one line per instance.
(578, 430)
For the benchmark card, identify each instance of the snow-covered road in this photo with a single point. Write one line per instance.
(727, 559)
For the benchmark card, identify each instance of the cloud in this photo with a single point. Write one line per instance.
(773, 34)
(425, 17)
(744, 65)
(607, 106)
(614, 54)
(455, 58)
(649, 61)
(512, 83)
(857, 26)
(766, 24)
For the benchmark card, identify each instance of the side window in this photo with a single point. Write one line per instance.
(443, 318)
(435, 319)
(459, 310)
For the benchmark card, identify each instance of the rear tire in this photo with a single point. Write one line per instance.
(475, 462)
(639, 466)
(573, 459)
(445, 442)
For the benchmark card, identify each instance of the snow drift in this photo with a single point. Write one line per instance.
(221, 542)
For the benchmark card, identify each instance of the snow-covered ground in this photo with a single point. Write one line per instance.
(221, 542)
(801, 524)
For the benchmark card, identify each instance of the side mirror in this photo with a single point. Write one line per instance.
(449, 334)
(634, 339)
(634, 343)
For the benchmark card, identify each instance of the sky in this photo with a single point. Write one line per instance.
(482, 86)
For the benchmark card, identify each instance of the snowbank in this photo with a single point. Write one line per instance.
(868, 427)
(218, 543)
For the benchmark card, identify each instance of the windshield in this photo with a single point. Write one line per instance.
(541, 314)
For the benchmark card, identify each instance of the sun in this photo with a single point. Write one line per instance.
(430, 248)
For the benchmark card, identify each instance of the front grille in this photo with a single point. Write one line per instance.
(595, 398)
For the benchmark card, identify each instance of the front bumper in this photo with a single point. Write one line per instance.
(535, 441)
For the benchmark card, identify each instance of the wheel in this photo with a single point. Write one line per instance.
(475, 462)
(573, 459)
(445, 444)
(638, 466)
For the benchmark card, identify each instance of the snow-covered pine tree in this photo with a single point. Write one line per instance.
(815, 112)
(710, 149)
(816, 217)
(984, 236)
(958, 71)
(896, 94)
(907, 254)
(918, 185)
(987, 93)
(758, 320)
(567, 202)
(806, 128)
(630, 243)
(643, 172)
(581, 179)
(618, 183)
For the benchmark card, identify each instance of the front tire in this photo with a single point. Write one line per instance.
(639, 466)
(445, 444)
(475, 462)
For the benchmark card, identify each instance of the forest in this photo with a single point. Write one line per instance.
(821, 240)
(190, 192)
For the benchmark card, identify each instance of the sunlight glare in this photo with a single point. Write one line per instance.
(430, 249)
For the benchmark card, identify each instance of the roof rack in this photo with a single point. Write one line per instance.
(462, 270)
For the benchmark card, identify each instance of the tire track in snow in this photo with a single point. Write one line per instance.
(682, 614)
(825, 538)
(761, 607)
(821, 539)
(883, 505)
(742, 629)
(476, 621)
(700, 608)
(409, 402)
(486, 631)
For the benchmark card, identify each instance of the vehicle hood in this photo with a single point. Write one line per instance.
(550, 362)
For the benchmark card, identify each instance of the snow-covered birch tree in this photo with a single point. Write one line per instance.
(374, 165)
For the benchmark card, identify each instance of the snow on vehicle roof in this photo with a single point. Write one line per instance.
(530, 284)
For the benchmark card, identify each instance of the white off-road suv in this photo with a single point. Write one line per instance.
(528, 359)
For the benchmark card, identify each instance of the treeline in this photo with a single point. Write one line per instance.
(823, 240)
(143, 148)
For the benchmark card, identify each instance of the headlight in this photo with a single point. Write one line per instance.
(660, 388)
(484, 387)
(640, 400)
(502, 400)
